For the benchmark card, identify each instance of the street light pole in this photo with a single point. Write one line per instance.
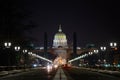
(17, 48)
(113, 46)
(29, 57)
(96, 51)
(7, 46)
(103, 54)
(25, 57)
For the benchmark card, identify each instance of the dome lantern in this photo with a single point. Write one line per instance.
(60, 29)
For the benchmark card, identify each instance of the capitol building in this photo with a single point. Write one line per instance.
(60, 48)
(60, 39)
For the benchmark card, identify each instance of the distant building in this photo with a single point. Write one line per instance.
(60, 48)
(60, 39)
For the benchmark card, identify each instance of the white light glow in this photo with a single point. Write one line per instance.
(17, 48)
(49, 68)
(113, 44)
(34, 65)
(55, 66)
(7, 44)
(96, 51)
(25, 51)
(103, 48)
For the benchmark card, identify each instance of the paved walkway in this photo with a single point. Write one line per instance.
(60, 75)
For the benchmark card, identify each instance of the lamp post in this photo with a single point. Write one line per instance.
(25, 57)
(90, 59)
(103, 49)
(96, 51)
(8, 45)
(103, 55)
(113, 46)
(17, 48)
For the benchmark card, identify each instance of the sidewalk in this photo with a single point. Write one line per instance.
(4, 73)
(110, 72)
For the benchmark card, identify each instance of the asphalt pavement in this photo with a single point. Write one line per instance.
(36, 74)
(82, 74)
(60, 74)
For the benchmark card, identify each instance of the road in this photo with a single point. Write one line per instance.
(37, 74)
(82, 74)
(71, 73)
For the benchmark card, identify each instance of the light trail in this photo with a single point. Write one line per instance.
(82, 56)
(35, 55)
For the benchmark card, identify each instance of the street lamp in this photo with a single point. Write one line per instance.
(90, 53)
(7, 44)
(104, 61)
(96, 51)
(103, 48)
(25, 51)
(17, 48)
(113, 44)
(25, 57)
(30, 53)
(103, 55)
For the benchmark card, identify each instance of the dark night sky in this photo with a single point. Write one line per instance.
(93, 21)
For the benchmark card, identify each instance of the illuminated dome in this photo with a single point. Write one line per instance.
(60, 39)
